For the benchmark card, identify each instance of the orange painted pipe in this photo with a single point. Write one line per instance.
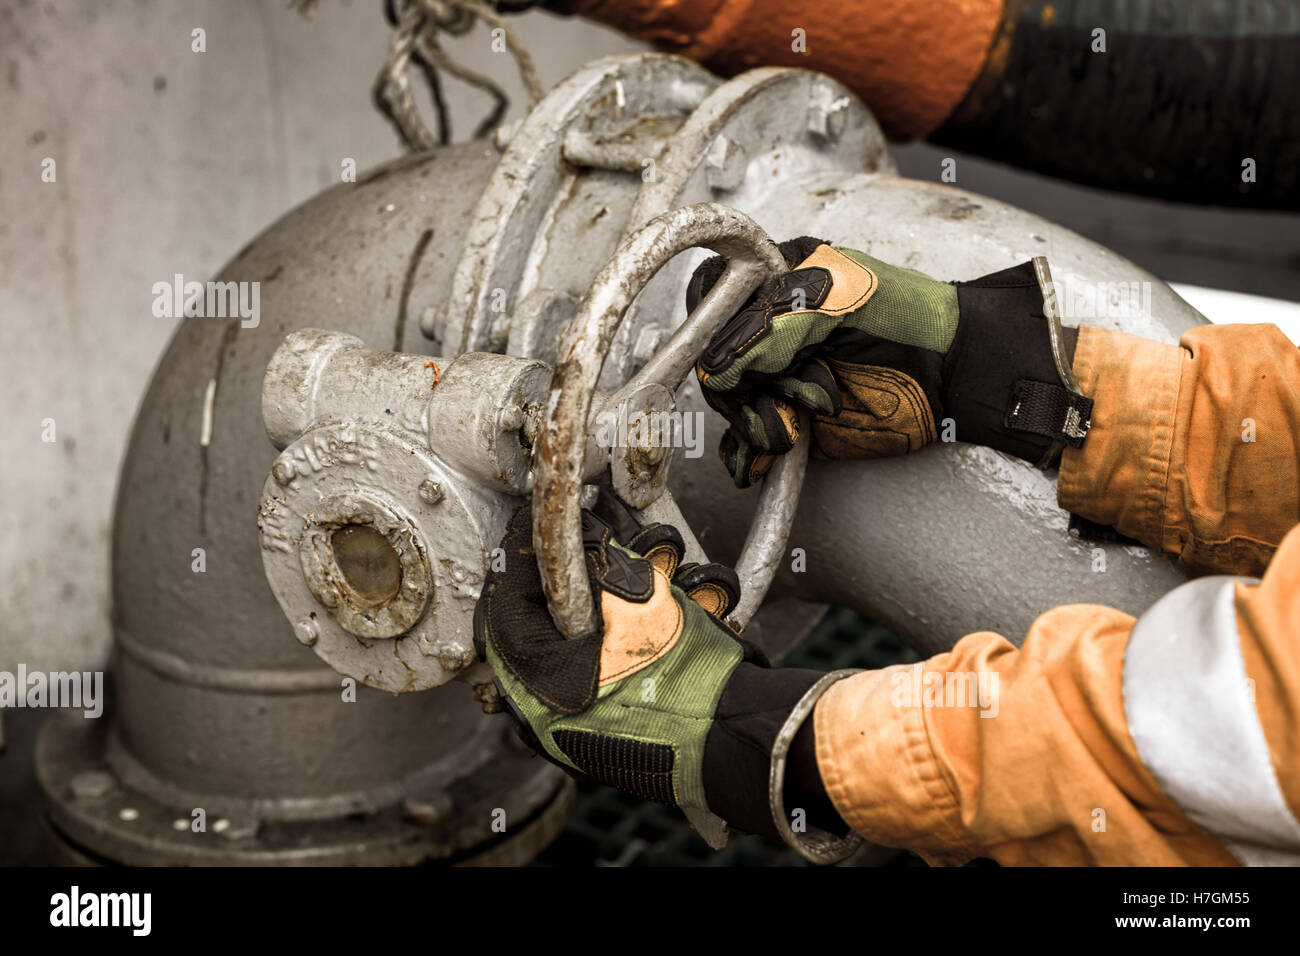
(911, 61)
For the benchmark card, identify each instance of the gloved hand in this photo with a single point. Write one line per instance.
(882, 355)
(665, 701)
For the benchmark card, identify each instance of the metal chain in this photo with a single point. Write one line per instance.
(415, 37)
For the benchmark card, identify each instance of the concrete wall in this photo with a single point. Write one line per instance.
(167, 161)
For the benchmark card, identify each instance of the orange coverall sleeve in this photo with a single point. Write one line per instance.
(1194, 450)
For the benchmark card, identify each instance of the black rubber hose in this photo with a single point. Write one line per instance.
(1186, 92)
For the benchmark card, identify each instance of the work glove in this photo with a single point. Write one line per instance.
(885, 359)
(664, 700)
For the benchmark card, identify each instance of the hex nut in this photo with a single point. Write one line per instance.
(91, 784)
(430, 492)
(724, 165)
(828, 115)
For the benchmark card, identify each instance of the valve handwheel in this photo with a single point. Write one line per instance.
(562, 442)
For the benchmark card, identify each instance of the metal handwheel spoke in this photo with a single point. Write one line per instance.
(765, 544)
(563, 438)
(674, 362)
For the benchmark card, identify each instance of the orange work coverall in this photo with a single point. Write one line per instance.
(1168, 739)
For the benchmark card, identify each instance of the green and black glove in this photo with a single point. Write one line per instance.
(882, 355)
(665, 701)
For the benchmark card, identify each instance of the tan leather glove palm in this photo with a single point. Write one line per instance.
(886, 359)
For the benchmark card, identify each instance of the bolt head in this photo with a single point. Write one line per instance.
(235, 829)
(502, 135)
(453, 659)
(428, 808)
(724, 165)
(430, 492)
(486, 694)
(307, 631)
(511, 418)
(90, 784)
(828, 116)
(647, 343)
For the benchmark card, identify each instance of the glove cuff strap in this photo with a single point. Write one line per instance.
(1059, 412)
(816, 845)
(1006, 384)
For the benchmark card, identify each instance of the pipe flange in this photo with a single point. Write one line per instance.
(365, 562)
(376, 552)
(543, 161)
(758, 131)
(754, 136)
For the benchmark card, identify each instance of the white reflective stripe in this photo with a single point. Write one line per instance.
(1191, 716)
